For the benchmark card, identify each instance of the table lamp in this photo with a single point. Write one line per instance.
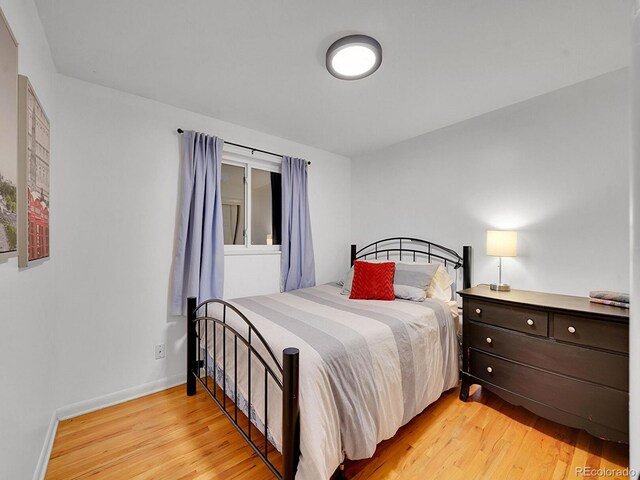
(501, 243)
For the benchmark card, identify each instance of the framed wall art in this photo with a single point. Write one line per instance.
(8, 141)
(33, 176)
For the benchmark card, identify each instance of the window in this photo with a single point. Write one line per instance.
(233, 204)
(251, 204)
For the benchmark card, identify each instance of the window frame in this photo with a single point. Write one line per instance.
(250, 160)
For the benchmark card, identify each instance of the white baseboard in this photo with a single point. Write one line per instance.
(43, 461)
(94, 404)
(125, 395)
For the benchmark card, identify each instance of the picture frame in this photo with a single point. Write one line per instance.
(8, 141)
(34, 140)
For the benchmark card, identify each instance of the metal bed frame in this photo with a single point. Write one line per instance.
(417, 248)
(285, 375)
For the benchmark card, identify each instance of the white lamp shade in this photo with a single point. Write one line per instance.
(502, 243)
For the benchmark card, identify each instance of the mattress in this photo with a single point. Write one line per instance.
(367, 367)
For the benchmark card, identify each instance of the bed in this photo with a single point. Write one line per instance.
(352, 371)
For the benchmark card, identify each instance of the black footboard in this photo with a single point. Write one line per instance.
(202, 327)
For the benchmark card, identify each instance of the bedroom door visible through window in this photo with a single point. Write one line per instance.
(251, 205)
(266, 211)
(233, 204)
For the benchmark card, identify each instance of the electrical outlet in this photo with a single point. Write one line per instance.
(160, 351)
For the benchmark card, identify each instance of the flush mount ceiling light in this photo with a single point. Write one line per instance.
(354, 57)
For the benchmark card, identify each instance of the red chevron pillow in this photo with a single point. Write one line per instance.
(373, 281)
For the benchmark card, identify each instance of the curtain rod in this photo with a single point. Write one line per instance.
(253, 150)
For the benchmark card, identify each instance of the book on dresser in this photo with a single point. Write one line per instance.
(562, 357)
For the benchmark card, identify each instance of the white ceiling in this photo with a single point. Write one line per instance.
(260, 63)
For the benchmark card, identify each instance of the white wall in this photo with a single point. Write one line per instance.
(27, 311)
(634, 370)
(84, 323)
(117, 185)
(554, 168)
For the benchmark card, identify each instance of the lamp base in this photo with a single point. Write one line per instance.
(500, 287)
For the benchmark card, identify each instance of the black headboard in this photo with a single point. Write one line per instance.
(410, 249)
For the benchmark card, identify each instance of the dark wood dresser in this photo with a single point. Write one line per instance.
(562, 357)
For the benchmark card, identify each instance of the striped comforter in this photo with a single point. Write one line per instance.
(367, 367)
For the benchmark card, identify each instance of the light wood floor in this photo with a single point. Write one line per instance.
(168, 435)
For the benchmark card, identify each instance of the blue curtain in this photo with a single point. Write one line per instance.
(298, 268)
(198, 268)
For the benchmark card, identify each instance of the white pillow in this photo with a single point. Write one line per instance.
(347, 282)
(440, 287)
(439, 294)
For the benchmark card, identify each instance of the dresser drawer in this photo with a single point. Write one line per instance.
(595, 333)
(611, 369)
(596, 403)
(521, 319)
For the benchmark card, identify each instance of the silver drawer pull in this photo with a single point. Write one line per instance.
(572, 329)
(529, 322)
(489, 340)
(489, 369)
(478, 311)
